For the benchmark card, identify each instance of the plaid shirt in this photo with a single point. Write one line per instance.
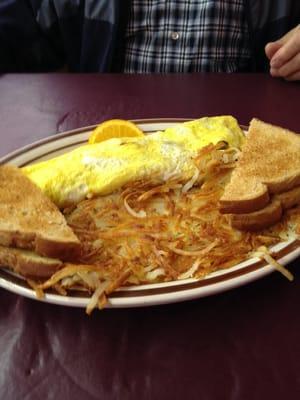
(186, 36)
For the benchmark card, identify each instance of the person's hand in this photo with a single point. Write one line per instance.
(284, 56)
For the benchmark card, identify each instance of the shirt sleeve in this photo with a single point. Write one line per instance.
(24, 46)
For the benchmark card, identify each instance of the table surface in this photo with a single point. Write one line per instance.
(240, 344)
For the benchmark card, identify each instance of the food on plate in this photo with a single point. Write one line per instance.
(266, 179)
(114, 128)
(29, 263)
(31, 223)
(101, 168)
(148, 209)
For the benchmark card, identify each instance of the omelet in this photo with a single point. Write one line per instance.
(102, 168)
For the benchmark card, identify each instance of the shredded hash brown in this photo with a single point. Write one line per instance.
(152, 232)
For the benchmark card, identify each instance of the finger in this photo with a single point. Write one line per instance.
(294, 77)
(274, 72)
(271, 48)
(287, 50)
(290, 67)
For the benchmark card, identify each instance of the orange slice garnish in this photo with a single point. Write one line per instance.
(114, 128)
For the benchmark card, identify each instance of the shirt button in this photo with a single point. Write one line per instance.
(175, 35)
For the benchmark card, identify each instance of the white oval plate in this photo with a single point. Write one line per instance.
(149, 294)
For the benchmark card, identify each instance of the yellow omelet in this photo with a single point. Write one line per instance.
(102, 168)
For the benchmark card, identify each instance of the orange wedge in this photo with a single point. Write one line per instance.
(114, 128)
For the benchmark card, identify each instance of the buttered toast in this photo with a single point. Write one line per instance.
(28, 263)
(29, 220)
(266, 179)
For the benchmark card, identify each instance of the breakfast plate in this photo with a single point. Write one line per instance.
(147, 294)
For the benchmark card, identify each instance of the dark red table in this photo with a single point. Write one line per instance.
(242, 344)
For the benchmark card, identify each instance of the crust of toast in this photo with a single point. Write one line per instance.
(269, 163)
(29, 220)
(264, 218)
(27, 263)
(259, 199)
(290, 198)
(260, 219)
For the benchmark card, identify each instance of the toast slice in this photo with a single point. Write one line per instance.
(269, 164)
(268, 215)
(260, 219)
(29, 220)
(28, 264)
(290, 198)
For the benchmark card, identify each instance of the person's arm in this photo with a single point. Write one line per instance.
(284, 56)
(24, 46)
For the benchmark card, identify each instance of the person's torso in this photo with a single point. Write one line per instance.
(99, 35)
